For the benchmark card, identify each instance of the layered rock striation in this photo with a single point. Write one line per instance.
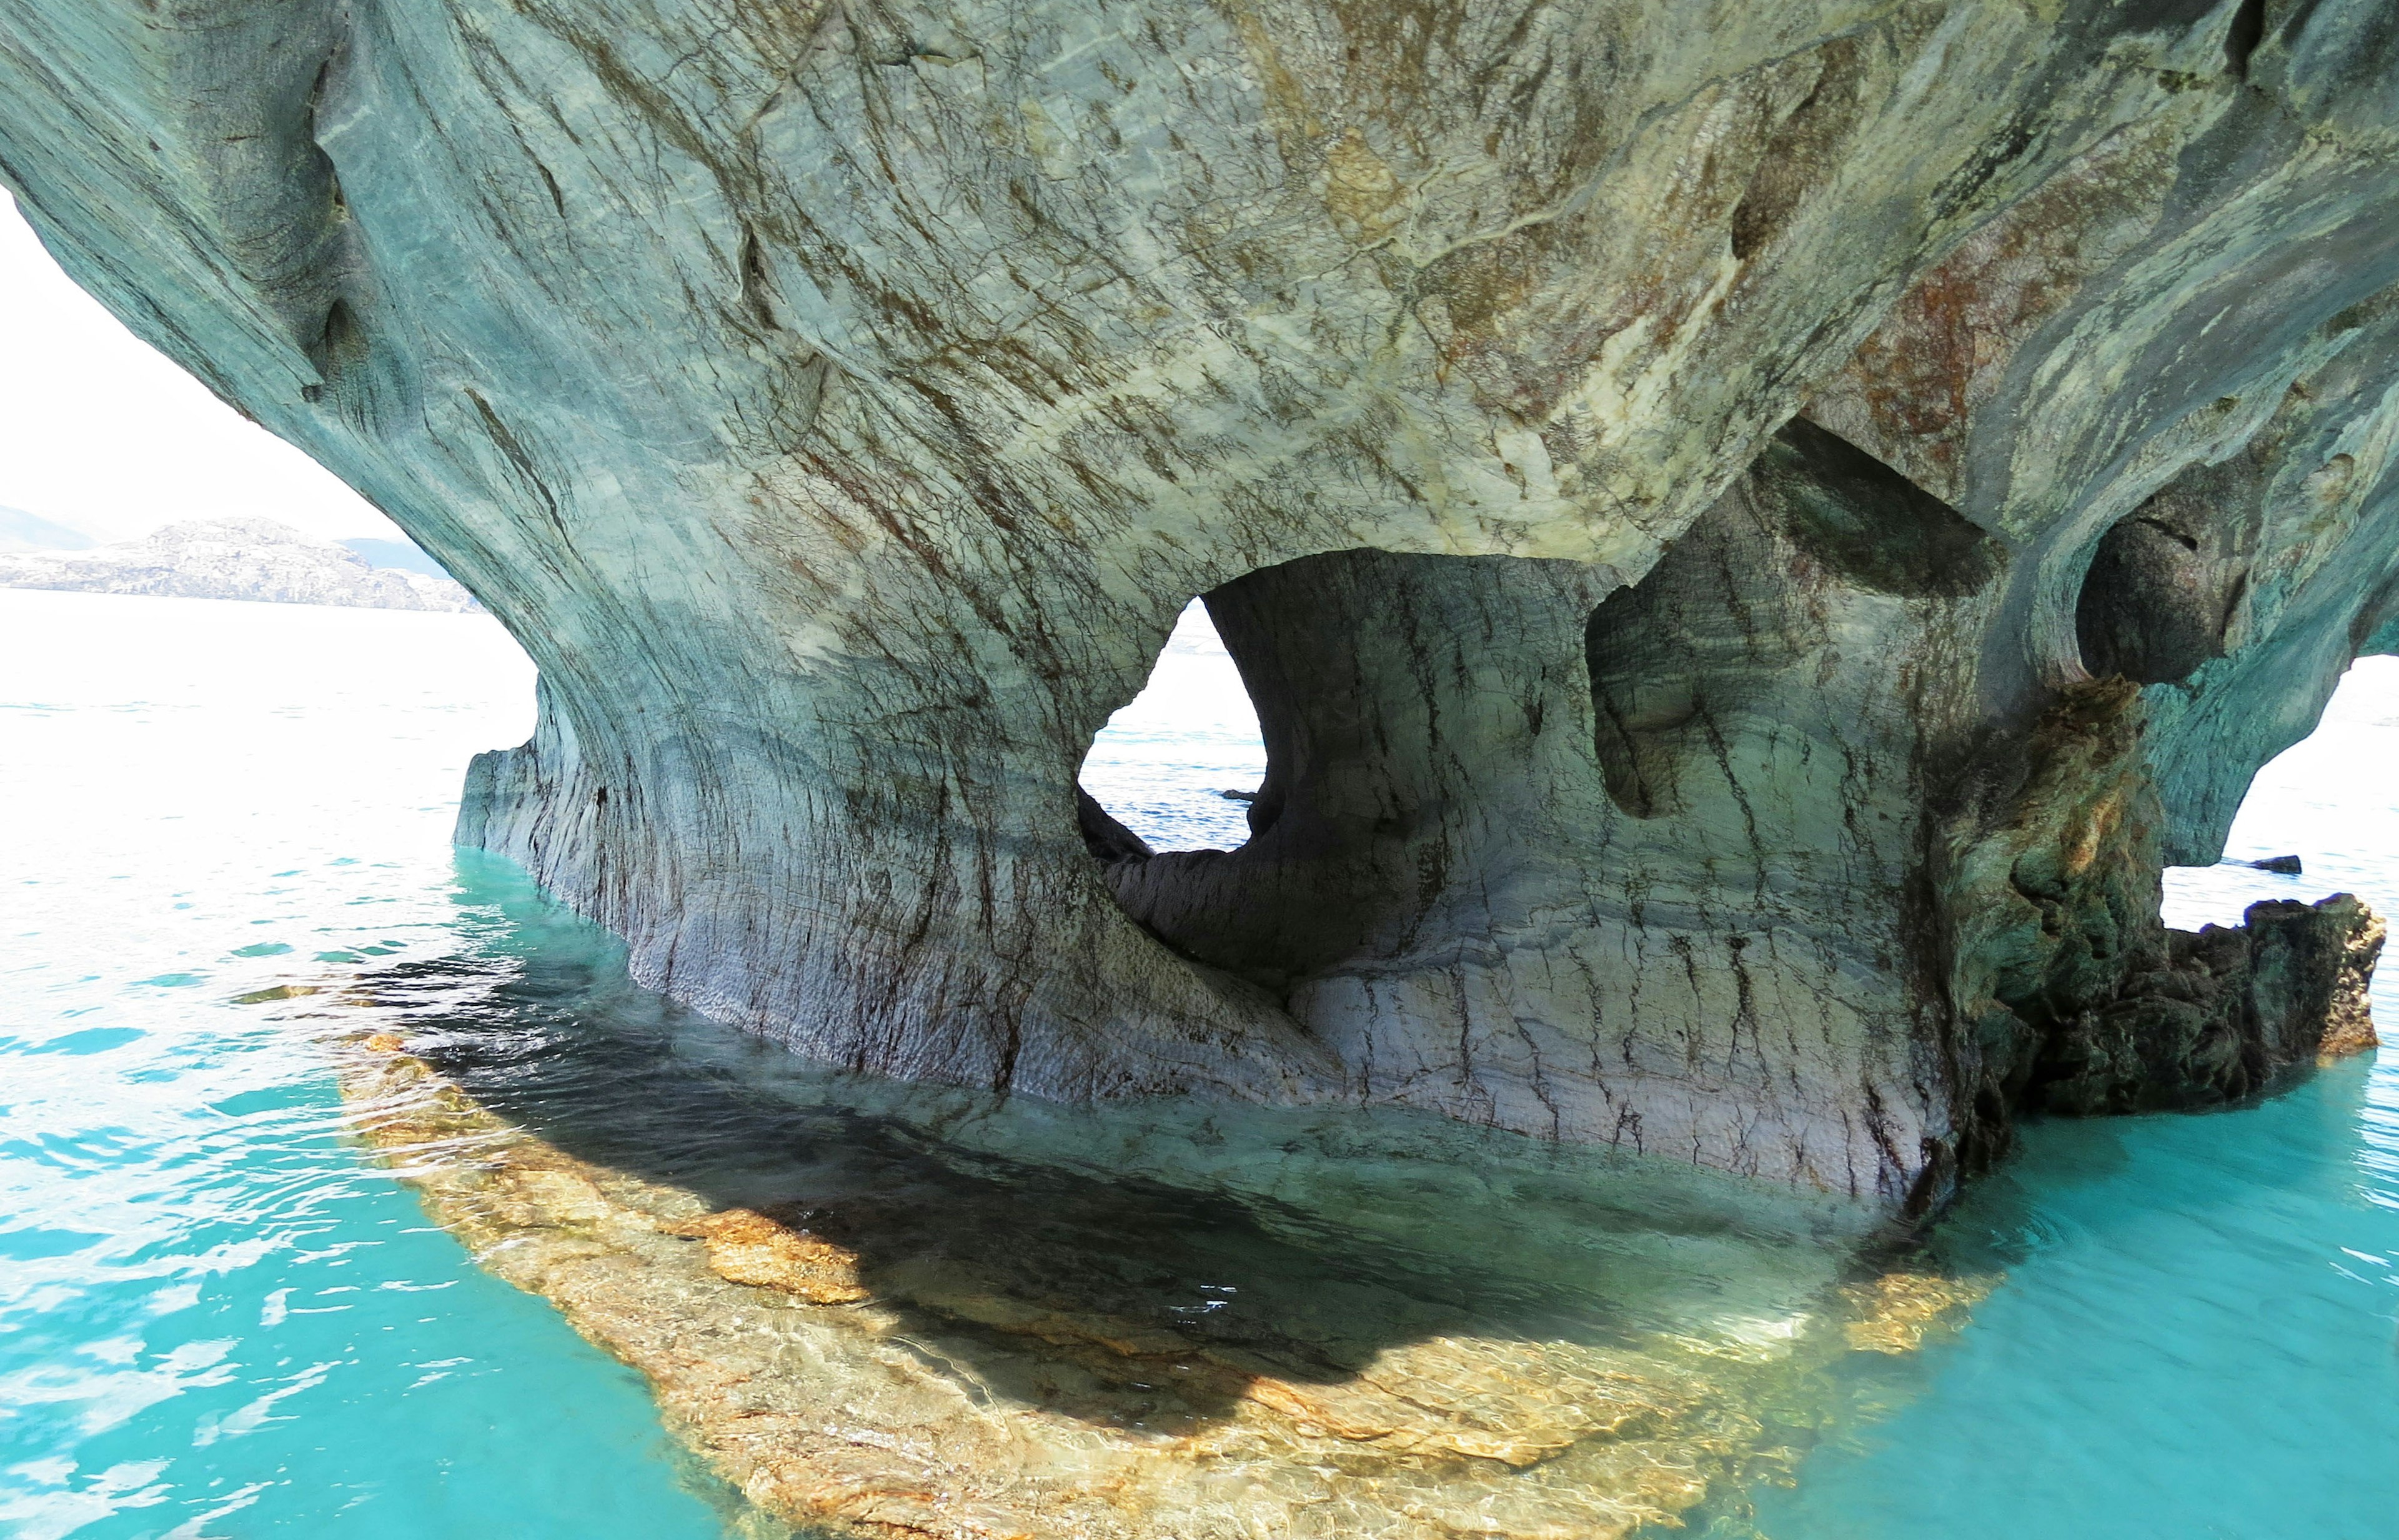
(1753, 530)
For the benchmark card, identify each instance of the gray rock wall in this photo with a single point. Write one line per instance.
(840, 401)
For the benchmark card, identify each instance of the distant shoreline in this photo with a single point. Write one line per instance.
(252, 560)
(11, 591)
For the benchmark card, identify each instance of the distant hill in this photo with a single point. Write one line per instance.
(253, 558)
(406, 555)
(21, 531)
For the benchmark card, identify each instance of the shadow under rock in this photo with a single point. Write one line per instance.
(1119, 1300)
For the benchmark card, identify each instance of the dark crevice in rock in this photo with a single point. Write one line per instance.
(1802, 151)
(758, 289)
(342, 344)
(344, 356)
(1645, 702)
(1670, 656)
(550, 182)
(1878, 529)
(2153, 607)
(2242, 38)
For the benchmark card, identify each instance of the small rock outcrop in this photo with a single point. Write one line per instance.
(2219, 1014)
(1753, 530)
(252, 559)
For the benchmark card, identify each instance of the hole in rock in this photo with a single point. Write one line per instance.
(2242, 38)
(1647, 702)
(1176, 769)
(2326, 801)
(2154, 605)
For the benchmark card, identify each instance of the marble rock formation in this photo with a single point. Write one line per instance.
(1753, 529)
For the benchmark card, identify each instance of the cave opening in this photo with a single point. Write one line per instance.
(2317, 818)
(2160, 598)
(1180, 766)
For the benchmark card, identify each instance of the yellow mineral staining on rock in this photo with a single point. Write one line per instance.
(857, 1369)
(1515, 1403)
(747, 1247)
(2349, 1020)
(1360, 189)
(1896, 1312)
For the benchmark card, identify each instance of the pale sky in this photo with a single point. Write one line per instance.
(98, 432)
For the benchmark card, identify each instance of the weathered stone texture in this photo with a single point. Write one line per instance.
(840, 401)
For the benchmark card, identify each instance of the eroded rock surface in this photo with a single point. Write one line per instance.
(1754, 529)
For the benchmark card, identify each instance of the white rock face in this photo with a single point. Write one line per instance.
(840, 403)
(253, 558)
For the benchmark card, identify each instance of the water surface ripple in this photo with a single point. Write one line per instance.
(216, 1317)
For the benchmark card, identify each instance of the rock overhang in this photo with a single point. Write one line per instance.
(839, 402)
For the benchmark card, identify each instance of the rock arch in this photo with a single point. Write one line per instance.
(1676, 440)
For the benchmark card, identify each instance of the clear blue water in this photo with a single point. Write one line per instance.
(218, 1318)
(2198, 1333)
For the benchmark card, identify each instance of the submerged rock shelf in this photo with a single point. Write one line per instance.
(881, 1312)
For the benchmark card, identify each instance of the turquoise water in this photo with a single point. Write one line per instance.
(218, 1319)
(215, 1317)
(2198, 1334)
(2195, 1337)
